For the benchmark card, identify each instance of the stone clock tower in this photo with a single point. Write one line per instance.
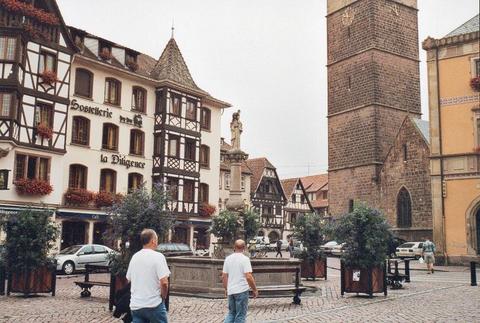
(373, 83)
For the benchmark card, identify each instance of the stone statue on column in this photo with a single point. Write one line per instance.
(235, 157)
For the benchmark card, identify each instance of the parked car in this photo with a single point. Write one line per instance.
(410, 250)
(172, 249)
(328, 247)
(75, 257)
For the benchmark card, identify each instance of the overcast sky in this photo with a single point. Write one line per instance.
(267, 58)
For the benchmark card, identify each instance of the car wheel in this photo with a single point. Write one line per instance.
(68, 268)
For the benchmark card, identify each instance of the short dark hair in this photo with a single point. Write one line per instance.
(147, 235)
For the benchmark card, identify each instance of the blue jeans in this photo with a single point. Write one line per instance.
(237, 308)
(150, 315)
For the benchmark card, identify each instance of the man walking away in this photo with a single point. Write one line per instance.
(148, 273)
(428, 254)
(237, 277)
(279, 249)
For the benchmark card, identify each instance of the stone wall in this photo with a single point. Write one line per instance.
(414, 175)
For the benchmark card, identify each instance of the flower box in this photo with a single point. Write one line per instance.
(33, 187)
(49, 77)
(475, 83)
(76, 196)
(206, 210)
(105, 54)
(30, 11)
(106, 199)
(44, 131)
(132, 65)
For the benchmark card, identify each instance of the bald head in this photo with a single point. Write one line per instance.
(240, 245)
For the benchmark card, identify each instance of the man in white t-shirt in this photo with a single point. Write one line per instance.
(237, 277)
(148, 273)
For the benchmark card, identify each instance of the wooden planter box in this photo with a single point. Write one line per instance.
(39, 280)
(117, 282)
(365, 281)
(318, 269)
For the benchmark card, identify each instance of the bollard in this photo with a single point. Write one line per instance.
(473, 274)
(407, 271)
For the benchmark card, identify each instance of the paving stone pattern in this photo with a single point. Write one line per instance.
(442, 297)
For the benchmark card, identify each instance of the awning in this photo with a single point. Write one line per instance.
(81, 216)
(11, 209)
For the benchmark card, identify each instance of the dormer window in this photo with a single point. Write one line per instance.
(105, 51)
(131, 61)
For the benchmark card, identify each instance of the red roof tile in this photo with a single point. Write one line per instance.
(315, 182)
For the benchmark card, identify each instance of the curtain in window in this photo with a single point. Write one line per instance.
(205, 119)
(172, 186)
(6, 103)
(77, 177)
(136, 142)
(44, 115)
(107, 180)
(188, 191)
(173, 146)
(191, 113)
(43, 169)
(110, 137)
(139, 99)
(204, 156)
(80, 130)
(203, 193)
(20, 166)
(176, 105)
(47, 62)
(112, 92)
(134, 181)
(190, 149)
(7, 48)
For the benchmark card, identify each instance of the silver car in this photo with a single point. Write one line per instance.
(76, 257)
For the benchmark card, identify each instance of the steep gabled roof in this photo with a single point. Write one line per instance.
(172, 67)
(289, 185)
(314, 183)
(257, 166)
(470, 26)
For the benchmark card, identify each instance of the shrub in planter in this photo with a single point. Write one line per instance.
(29, 236)
(225, 226)
(206, 209)
(105, 54)
(44, 131)
(33, 187)
(49, 77)
(475, 83)
(366, 235)
(76, 196)
(309, 229)
(251, 224)
(138, 210)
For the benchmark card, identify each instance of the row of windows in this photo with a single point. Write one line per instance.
(84, 87)
(188, 190)
(77, 178)
(189, 151)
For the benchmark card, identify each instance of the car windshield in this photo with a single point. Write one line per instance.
(407, 245)
(70, 250)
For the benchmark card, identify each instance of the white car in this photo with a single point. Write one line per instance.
(409, 250)
(338, 250)
(76, 257)
(328, 247)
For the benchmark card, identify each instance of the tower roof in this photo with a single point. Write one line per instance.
(172, 67)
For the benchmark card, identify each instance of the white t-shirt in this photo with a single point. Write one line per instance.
(145, 270)
(236, 266)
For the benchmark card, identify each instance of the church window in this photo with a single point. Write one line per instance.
(404, 209)
(405, 152)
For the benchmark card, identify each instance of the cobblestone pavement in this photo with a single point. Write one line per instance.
(442, 297)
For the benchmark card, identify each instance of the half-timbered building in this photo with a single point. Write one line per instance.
(267, 197)
(297, 205)
(132, 120)
(316, 187)
(36, 52)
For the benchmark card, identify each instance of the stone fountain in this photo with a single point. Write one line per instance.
(201, 276)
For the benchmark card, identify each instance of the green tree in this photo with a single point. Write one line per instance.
(310, 231)
(366, 235)
(251, 224)
(225, 226)
(138, 210)
(30, 234)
